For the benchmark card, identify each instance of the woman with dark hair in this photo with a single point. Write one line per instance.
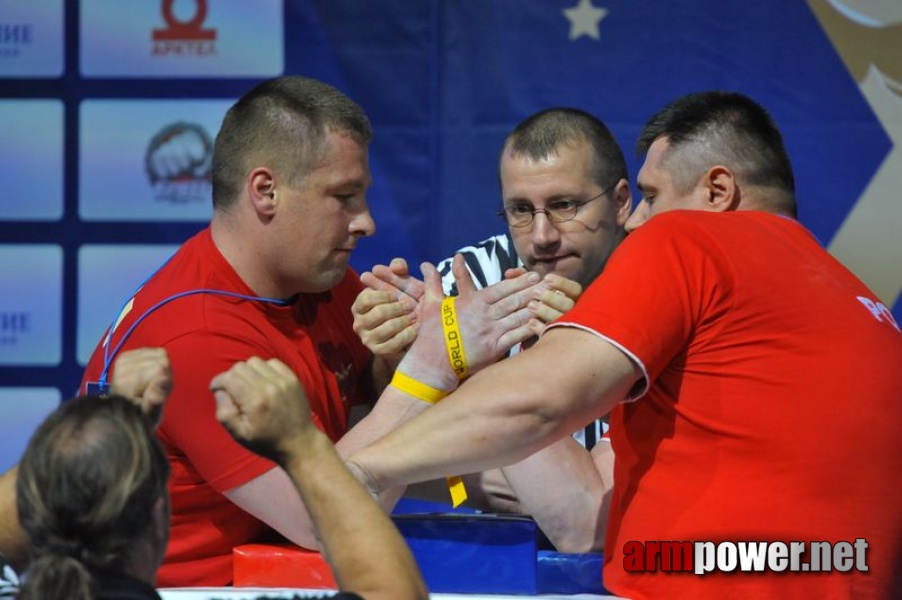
(91, 496)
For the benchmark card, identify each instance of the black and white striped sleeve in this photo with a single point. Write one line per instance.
(9, 580)
(487, 261)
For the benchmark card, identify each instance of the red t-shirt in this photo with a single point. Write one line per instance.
(204, 335)
(774, 407)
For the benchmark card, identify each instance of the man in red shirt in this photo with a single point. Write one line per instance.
(269, 278)
(730, 346)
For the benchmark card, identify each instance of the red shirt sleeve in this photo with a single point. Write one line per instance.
(189, 424)
(658, 287)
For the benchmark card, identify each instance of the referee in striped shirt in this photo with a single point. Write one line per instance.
(565, 199)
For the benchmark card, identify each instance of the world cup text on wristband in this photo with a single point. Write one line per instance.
(453, 340)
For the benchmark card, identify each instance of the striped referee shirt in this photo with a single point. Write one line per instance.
(487, 261)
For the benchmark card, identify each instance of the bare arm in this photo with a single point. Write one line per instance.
(566, 489)
(257, 401)
(385, 318)
(272, 496)
(145, 376)
(506, 412)
(566, 492)
(497, 317)
(13, 544)
(142, 375)
(500, 316)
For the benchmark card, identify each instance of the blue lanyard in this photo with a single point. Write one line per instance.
(108, 355)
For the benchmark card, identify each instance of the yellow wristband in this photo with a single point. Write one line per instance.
(457, 489)
(455, 346)
(417, 389)
(453, 340)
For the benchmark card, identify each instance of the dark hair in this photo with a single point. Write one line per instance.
(86, 489)
(281, 123)
(540, 135)
(726, 128)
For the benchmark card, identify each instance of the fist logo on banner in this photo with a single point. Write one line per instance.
(179, 162)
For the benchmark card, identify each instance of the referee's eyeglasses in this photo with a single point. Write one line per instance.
(557, 211)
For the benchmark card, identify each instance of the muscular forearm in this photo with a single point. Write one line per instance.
(271, 497)
(562, 489)
(362, 545)
(13, 543)
(381, 370)
(393, 409)
(505, 413)
(478, 427)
